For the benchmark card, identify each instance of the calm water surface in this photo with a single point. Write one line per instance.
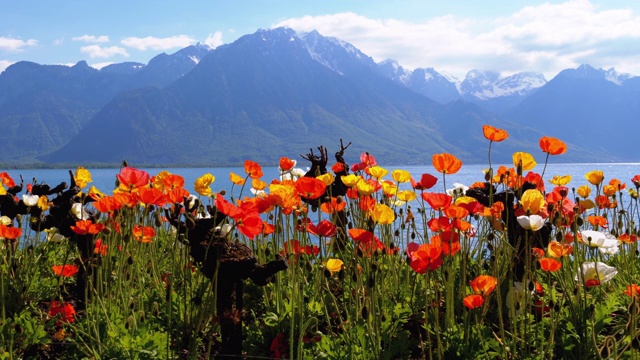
(104, 179)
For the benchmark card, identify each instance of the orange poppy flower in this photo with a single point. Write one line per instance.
(107, 204)
(537, 252)
(310, 188)
(294, 247)
(550, 264)
(66, 270)
(87, 227)
(446, 163)
(250, 225)
(600, 221)
(552, 146)
(557, 249)
(126, 199)
(176, 195)
(253, 169)
(151, 196)
(449, 241)
(494, 134)
(456, 212)
(143, 234)
(437, 201)
(132, 178)
(227, 208)
(367, 203)
(332, 206)
(10, 232)
(632, 290)
(473, 301)
(7, 180)
(286, 164)
(425, 257)
(361, 235)
(441, 223)
(427, 181)
(483, 284)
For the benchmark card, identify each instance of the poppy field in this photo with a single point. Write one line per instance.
(340, 261)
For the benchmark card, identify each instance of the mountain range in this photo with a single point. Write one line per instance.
(279, 93)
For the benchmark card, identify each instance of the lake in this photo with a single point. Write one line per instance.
(104, 179)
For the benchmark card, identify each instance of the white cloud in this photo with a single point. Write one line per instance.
(92, 38)
(5, 64)
(544, 38)
(10, 44)
(96, 51)
(214, 40)
(57, 42)
(154, 43)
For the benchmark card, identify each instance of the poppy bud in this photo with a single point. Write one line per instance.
(267, 251)
(371, 283)
(359, 252)
(490, 237)
(396, 233)
(106, 231)
(413, 235)
(354, 277)
(579, 221)
(365, 312)
(559, 236)
(130, 260)
(488, 175)
(341, 275)
(327, 273)
(157, 219)
(223, 192)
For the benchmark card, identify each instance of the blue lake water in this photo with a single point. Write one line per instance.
(104, 179)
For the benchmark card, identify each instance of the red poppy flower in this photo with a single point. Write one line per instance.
(494, 134)
(132, 178)
(227, 208)
(286, 164)
(176, 195)
(337, 168)
(473, 301)
(438, 224)
(437, 201)
(250, 225)
(446, 163)
(253, 169)
(552, 146)
(87, 227)
(367, 203)
(65, 310)
(427, 181)
(456, 212)
(549, 264)
(10, 232)
(99, 248)
(310, 188)
(449, 241)
(324, 228)
(361, 235)
(425, 257)
(143, 234)
(294, 247)
(66, 270)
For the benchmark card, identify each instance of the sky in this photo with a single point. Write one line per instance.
(450, 36)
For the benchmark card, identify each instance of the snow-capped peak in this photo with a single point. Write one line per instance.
(486, 85)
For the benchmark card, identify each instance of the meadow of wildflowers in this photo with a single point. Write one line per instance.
(341, 261)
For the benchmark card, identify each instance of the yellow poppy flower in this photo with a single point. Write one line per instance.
(406, 195)
(382, 214)
(389, 188)
(595, 177)
(401, 176)
(378, 172)
(202, 184)
(258, 184)
(82, 177)
(533, 201)
(560, 180)
(350, 180)
(584, 191)
(236, 179)
(326, 178)
(364, 188)
(334, 265)
(525, 159)
(43, 203)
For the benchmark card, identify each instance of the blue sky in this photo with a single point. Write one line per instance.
(450, 36)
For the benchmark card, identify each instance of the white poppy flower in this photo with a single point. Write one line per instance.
(5, 220)
(458, 190)
(595, 273)
(30, 200)
(79, 212)
(605, 242)
(53, 235)
(531, 222)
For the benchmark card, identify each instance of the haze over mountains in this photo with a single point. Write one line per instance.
(278, 93)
